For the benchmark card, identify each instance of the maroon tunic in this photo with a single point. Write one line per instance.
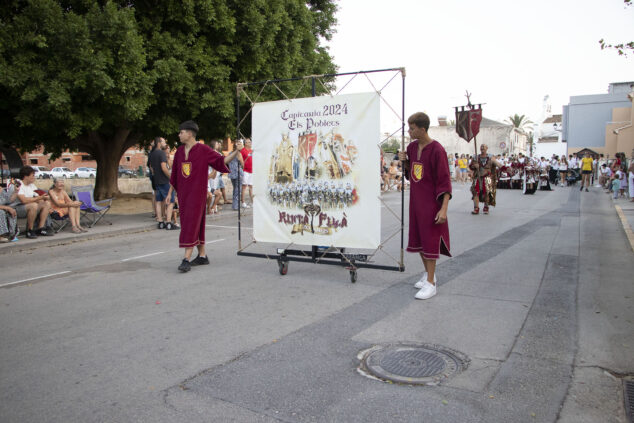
(189, 179)
(429, 180)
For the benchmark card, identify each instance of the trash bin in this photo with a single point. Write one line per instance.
(140, 172)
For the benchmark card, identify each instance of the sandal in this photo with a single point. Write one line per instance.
(76, 230)
(485, 210)
(476, 210)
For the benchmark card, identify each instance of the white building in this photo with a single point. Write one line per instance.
(548, 138)
(500, 137)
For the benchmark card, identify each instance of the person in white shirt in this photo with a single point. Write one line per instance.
(32, 205)
(563, 169)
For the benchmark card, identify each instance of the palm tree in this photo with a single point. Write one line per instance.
(520, 122)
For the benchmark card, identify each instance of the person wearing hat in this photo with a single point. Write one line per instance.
(189, 180)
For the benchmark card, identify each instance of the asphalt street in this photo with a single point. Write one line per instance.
(538, 296)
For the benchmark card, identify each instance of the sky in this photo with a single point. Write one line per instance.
(508, 54)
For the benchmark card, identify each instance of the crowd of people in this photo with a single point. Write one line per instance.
(165, 205)
(21, 198)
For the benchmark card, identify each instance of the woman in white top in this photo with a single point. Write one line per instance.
(563, 169)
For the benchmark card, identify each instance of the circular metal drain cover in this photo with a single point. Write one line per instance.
(417, 364)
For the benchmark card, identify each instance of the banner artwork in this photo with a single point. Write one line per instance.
(316, 173)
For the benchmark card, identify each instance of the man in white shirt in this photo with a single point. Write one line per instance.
(31, 204)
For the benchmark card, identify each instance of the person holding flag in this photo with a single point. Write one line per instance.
(425, 165)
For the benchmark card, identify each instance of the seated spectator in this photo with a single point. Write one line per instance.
(62, 205)
(31, 205)
(8, 216)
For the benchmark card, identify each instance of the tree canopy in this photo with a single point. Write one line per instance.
(623, 47)
(520, 122)
(102, 76)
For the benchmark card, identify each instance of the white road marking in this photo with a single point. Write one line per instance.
(226, 227)
(146, 255)
(35, 278)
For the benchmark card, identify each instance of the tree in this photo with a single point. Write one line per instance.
(520, 122)
(622, 47)
(102, 76)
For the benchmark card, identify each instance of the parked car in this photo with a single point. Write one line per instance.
(42, 172)
(85, 172)
(123, 172)
(62, 172)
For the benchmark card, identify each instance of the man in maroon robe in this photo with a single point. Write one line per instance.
(189, 179)
(425, 165)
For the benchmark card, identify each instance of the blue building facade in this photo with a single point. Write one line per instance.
(586, 116)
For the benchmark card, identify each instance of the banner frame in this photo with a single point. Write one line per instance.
(316, 254)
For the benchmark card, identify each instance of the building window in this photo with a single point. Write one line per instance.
(86, 158)
(33, 161)
(127, 159)
(66, 159)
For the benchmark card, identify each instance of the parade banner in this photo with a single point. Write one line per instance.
(316, 173)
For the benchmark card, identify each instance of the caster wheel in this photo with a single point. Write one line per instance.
(353, 276)
(283, 266)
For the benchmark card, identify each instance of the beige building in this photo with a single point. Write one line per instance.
(619, 134)
(500, 137)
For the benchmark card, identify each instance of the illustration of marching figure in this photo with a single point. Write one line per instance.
(317, 170)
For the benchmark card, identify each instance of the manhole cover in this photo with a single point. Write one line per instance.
(417, 364)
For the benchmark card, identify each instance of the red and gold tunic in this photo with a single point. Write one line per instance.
(189, 179)
(429, 181)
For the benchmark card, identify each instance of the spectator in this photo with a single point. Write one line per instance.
(62, 205)
(247, 180)
(630, 177)
(586, 171)
(220, 183)
(8, 216)
(235, 175)
(452, 164)
(604, 175)
(161, 175)
(456, 165)
(463, 164)
(32, 205)
(563, 169)
(622, 181)
(153, 147)
(213, 193)
(615, 184)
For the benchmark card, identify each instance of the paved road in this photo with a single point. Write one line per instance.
(538, 295)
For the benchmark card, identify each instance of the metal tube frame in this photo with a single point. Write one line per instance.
(339, 258)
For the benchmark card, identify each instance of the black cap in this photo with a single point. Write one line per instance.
(188, 124)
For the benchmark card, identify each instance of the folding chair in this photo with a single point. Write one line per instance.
(58, 223)
(90, 209)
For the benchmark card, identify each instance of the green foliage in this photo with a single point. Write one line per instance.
(101, 76)
(392, 145)
(621, 48)
(520, 122)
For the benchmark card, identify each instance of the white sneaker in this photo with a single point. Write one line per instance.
(245, 206)
(423, 281)
(427, 291)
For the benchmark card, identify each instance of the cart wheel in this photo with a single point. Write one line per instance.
(283, 266)
(353, 276)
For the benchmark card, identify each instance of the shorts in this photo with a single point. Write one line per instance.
(247, 178)
(20, 210)
(161, 192)
(586, 172)
(220, 184)
(463, 170)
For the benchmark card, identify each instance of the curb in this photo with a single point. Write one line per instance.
(626, 225)
(80, 238)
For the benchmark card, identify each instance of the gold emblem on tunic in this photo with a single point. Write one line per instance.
(187, 169)
(417, 172)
